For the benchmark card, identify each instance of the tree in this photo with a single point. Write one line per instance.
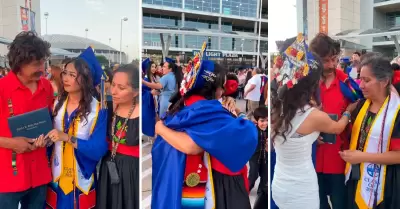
(102, 60)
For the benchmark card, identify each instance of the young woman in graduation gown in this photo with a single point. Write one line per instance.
(118, 186)
(148, 101)
(79, 136)
(373, 161)
(198, 125)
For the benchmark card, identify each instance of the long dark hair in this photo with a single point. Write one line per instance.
(177, 72)
(288, 101)
(208, 91)
(85, 81)
(149, 74)
(248, 76)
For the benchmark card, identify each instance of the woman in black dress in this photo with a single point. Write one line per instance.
(373, 161)
(119, 171)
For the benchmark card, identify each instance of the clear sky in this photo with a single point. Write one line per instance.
(282, 21)
(101, 17)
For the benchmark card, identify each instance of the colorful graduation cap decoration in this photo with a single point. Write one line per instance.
(145, 64)
(295, 63)
(201, 71)
(98, 74)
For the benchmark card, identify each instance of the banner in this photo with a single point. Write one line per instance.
(323, 16)
(24, 19)
(32, 19)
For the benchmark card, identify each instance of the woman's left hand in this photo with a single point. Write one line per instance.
(352, 156)
(229, 104)
(56, 135)
(159, 126)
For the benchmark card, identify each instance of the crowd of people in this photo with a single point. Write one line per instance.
(90, 158)
(203, 141)
(335, 128)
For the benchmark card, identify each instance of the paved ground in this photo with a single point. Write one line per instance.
(146, 170)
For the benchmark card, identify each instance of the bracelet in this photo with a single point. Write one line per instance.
(347, 114)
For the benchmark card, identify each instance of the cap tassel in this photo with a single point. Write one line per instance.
(103, 101)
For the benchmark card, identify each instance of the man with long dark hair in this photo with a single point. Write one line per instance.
(25, 171)
(335, 98)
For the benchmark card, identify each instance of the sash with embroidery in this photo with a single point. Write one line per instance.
(372, 176)
(83, 131)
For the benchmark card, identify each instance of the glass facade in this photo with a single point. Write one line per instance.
(154, 39)
(237, 44)
(161, 20)
(196, 42)
(246, 8)
(168, 3)
(203, 5)
(205, 24)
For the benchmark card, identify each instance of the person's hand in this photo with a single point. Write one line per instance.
(245, 94)
(56, 135)
(40, 141)
(229, 104)
(159, 126)
(22, 145)
(319, 141)
(352, 156)
(155, 92)
(352, 106)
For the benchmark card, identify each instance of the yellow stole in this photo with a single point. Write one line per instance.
(369, 175)
(66, 182)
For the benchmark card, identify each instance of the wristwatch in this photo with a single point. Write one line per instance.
(73, 139)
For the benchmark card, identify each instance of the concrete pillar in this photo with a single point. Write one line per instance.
(165, 46)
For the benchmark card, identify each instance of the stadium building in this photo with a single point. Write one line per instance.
(231, 28)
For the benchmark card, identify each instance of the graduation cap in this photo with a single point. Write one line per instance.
(145, 64)
(98, 74)
(296, 62)
(345, 60)
(94, 65)
(170, 60)
(201, 71)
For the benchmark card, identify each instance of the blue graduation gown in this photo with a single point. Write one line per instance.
(230, 140)
(88, 154)
(148, 111)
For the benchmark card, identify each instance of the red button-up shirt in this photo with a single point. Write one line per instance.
(33, 167)
(328, 158)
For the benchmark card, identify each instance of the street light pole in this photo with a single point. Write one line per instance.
(46, 15)
(86, 33)
(109, 53)
(120, 40)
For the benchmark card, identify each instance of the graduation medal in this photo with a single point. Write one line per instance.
(193, 179)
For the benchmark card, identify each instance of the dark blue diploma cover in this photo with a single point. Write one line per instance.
(32, 124)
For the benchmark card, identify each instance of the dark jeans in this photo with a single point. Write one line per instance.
(33, 198)
(331, 185)
(256, 170)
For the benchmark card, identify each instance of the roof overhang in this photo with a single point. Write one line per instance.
(190, 50)
(395, 31)
(53, 51)
(202, 33)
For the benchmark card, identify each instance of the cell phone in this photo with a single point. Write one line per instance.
(330, 138)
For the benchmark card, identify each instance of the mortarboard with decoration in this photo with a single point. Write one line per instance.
(200, 72)
(98, 74)
(294, 63)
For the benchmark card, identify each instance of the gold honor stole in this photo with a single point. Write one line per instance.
(209, 200)
(367, 185)
(65, 168)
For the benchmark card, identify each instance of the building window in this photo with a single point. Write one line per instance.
(245, 8)
(196, 42)
(153, 39)
(204, 24)
(203, 5)
(168, 3)
(161, 20)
